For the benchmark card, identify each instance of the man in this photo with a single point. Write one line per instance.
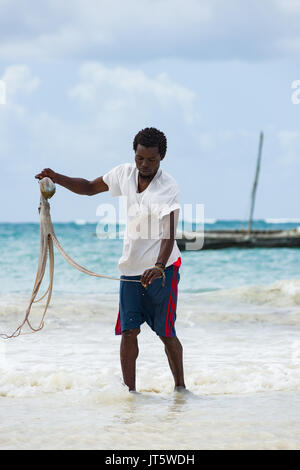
(152, 260)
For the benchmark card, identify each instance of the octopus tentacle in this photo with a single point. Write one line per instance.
(42, 248)
(43, 296)
(43, 244)
(51, 275)
(41, 274)
(39, 278)
(78, 266)
(51, 271)
(36, 286)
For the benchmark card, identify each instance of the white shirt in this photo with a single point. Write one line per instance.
(146, 221)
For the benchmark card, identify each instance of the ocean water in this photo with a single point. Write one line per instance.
(238, 319)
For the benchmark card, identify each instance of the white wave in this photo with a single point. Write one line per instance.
(80, 222)
(282, 221)
(36, 381)
(283, 293)
(215, 377)
(278, 303)
(210, 221)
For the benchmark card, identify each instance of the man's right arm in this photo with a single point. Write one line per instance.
(76, 185)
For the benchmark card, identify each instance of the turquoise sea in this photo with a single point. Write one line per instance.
(200, 271)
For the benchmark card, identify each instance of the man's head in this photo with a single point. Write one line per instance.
(150, 146)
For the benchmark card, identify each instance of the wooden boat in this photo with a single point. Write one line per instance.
(241, 238)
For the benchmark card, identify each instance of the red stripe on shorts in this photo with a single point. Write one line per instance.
(118, 324)
(171, 320)
(178, 262)
(170, 303)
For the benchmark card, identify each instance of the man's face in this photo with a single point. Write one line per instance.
(147, 160)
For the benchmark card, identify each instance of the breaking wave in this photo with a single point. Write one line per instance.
(278, 302)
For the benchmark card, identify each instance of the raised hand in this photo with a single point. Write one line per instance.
(47, 172)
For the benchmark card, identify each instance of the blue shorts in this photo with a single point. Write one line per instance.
(155, 305)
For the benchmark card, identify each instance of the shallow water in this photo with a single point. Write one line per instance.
(149, 422)
(64, 384)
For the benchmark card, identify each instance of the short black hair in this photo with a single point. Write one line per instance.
(151, 137)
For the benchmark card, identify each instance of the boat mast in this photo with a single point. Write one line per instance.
(261, 138)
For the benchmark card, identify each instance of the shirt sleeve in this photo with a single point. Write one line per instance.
(167, 209)
(113, 178)
(167, 201)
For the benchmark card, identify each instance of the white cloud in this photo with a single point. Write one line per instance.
(290, 45)
(122, 94)
(110, 105)
(140, 30)
(288, 6)
(19, 79)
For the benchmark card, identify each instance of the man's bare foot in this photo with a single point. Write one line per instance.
(181, 389)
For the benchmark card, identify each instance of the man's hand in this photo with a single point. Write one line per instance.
(149, 276)
(47, 172)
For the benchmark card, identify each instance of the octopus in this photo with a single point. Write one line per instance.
(47, 237)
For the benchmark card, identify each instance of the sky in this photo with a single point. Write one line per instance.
(82, 78)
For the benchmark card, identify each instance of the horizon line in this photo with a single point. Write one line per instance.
(209, 220)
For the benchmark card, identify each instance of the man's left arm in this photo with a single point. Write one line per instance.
(165, 251)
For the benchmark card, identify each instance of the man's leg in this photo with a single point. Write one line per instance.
(174, 352)
(128, 353)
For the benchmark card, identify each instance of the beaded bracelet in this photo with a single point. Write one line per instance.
(163, 275)
(162, 265)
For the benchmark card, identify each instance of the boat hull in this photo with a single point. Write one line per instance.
(239, 239)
